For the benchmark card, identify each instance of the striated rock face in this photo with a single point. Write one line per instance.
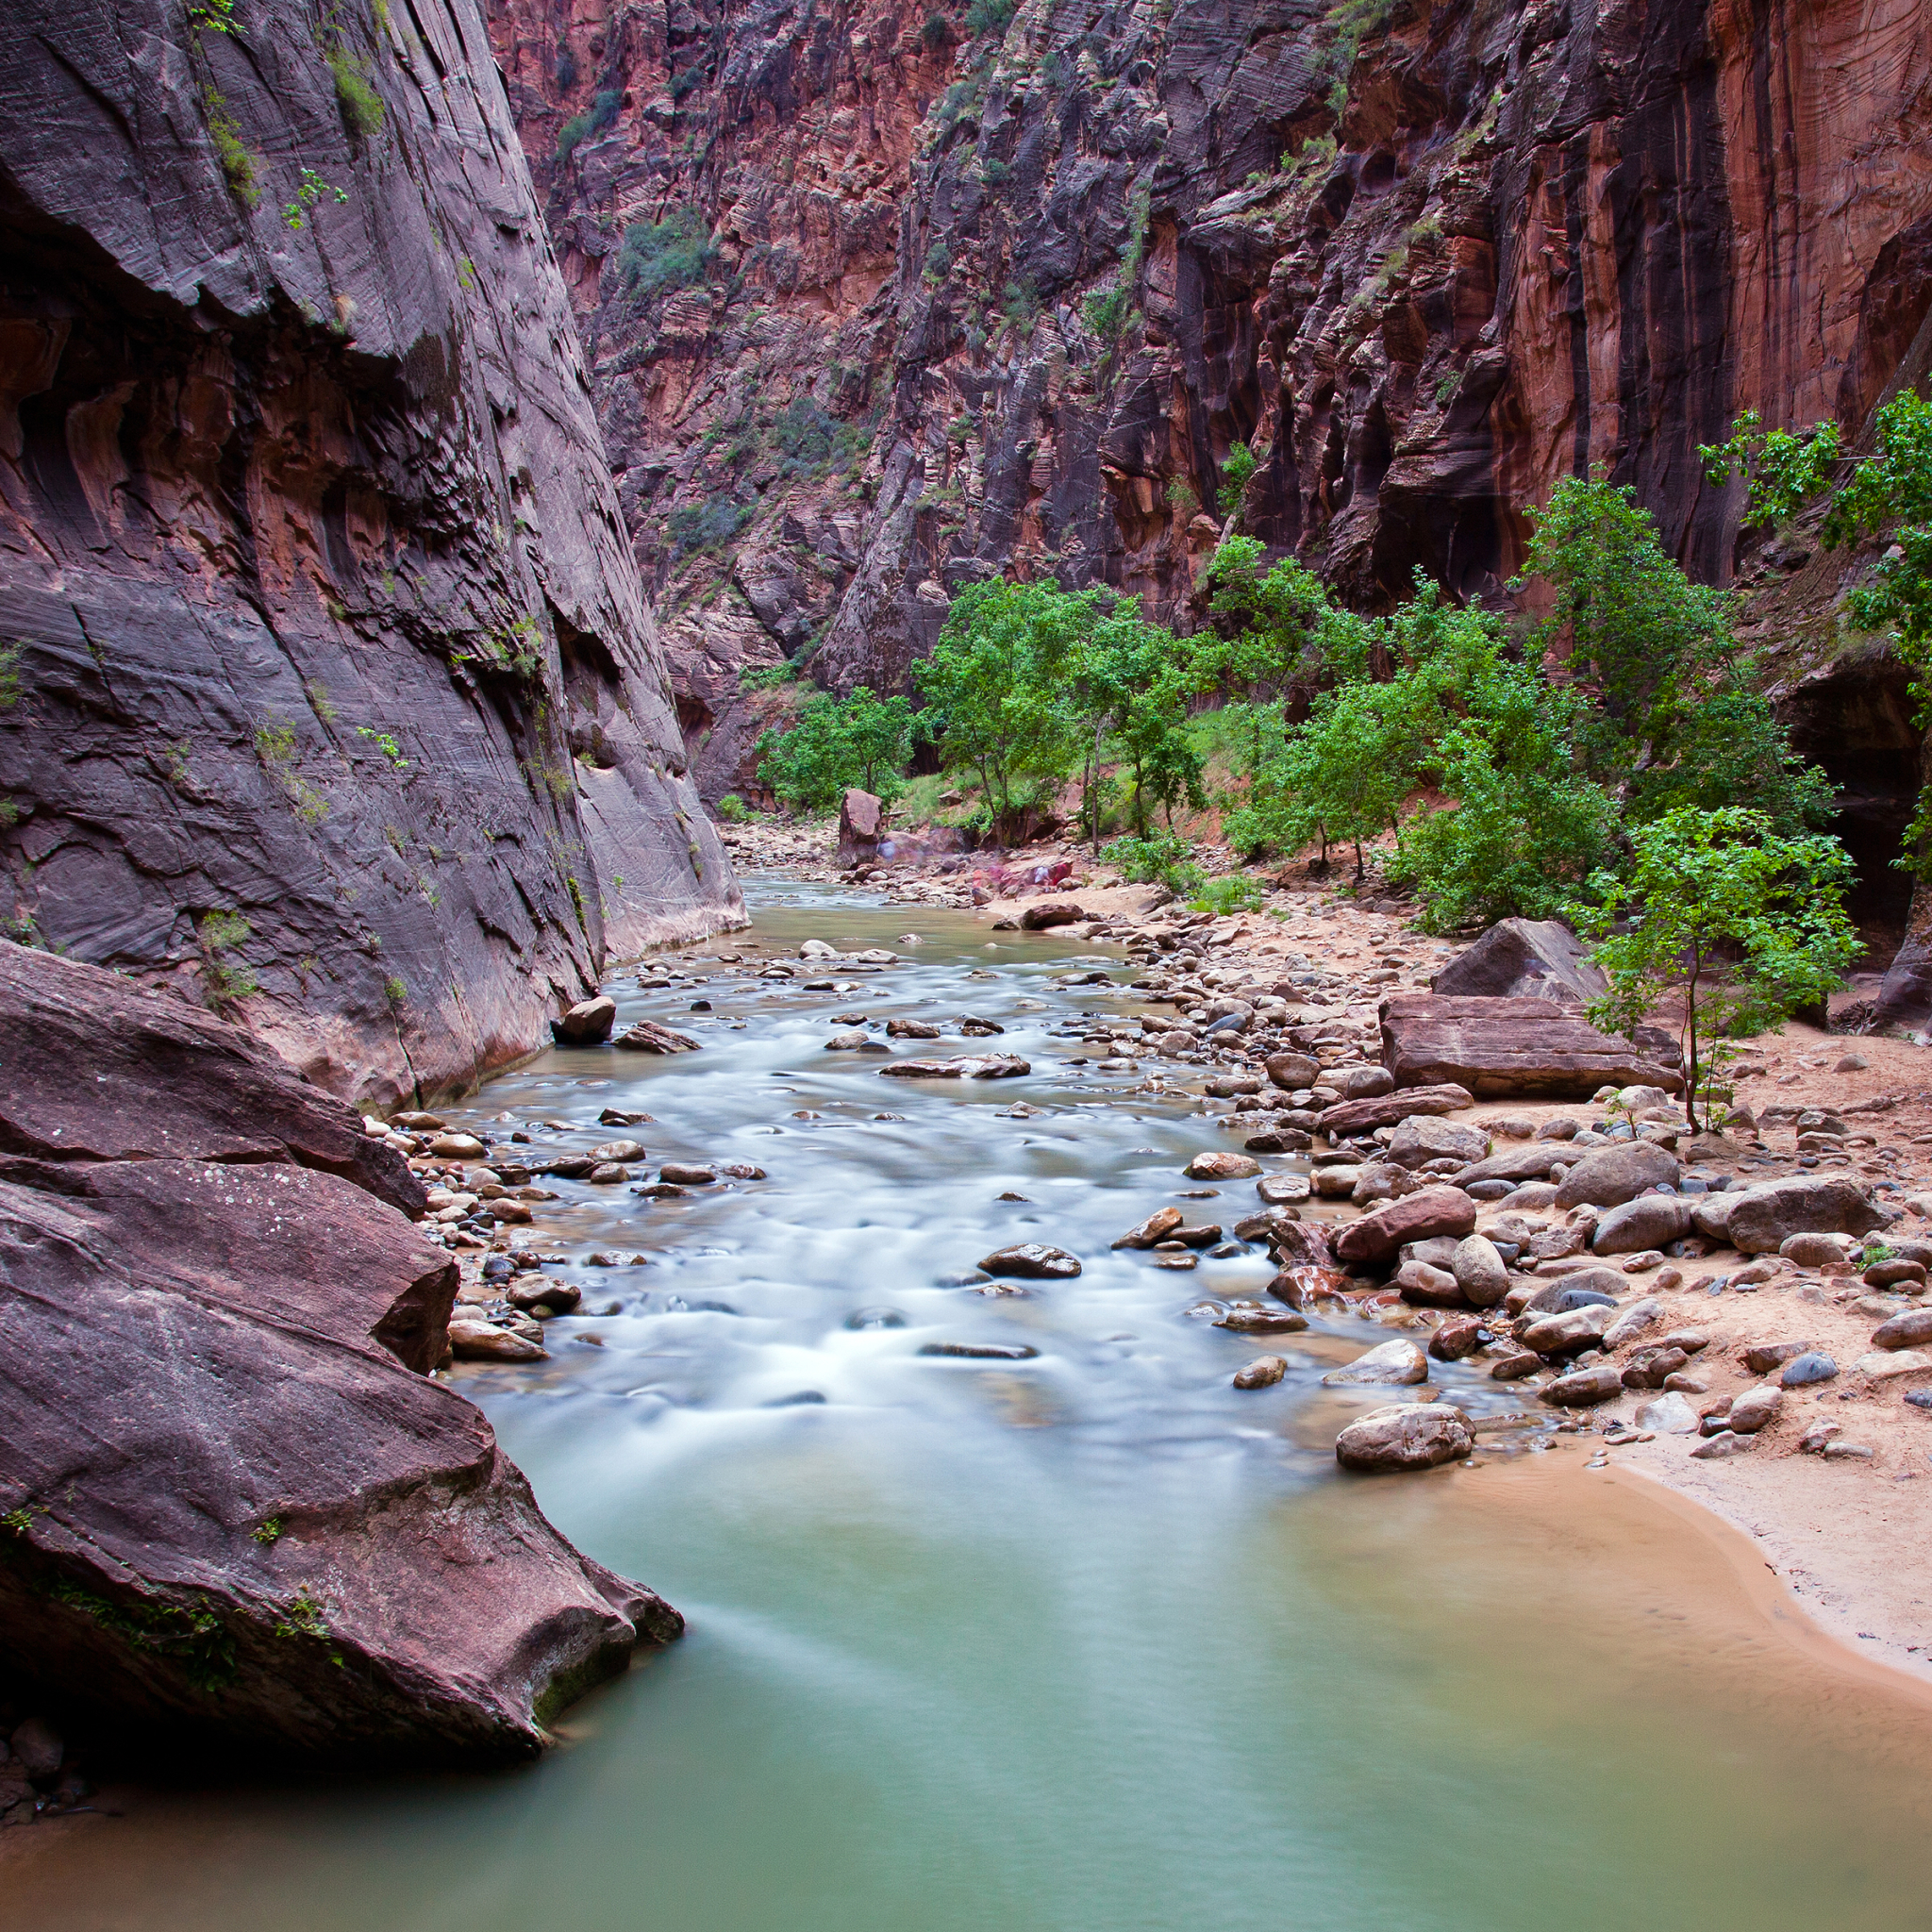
(1509, 242)
(234, 1507)
(330, 689)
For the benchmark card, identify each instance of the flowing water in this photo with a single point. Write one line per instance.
(1084, 1642)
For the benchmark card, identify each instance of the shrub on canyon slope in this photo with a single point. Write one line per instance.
(659, 258)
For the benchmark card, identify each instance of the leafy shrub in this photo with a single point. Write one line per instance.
(1107, 313)
(990, 16)
(361, 104)
(811, 442)
(732, 809)
(593, 121)
(566, 70)
(1241, 465)
(705, 526)
(1161, 859)
(686, 78)
(766, 677)
(937, 33)
(659, 256)
(238, 164)
(836, 743)
(1021, 304)
(1232, 893)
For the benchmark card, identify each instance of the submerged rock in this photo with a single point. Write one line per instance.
(1032, 1261)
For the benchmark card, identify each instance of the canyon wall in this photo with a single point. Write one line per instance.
(882, 299)
(327, 685)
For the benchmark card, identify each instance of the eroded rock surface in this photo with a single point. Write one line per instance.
(338, 699)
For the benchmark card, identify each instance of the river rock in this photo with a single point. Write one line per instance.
(1156, 1227)
(1908, 1330)
(911, 1029)
(1257, 1317)
(618, 1149)
(1529, 1163)
(1262, 1372)
(1293, 1071)
(682, 1173)
(1763, 1218)
(1649, 1221)
(1428, 1212)
(1301, 1283)
(1514, 1363)
(1884, 1366)
(1423, 1137)
(1351, 1117)
(1669, 1415)
(1221, 1167)
(1479, 1271)
(982, 1350)
(1897, 1273)
(1283, 1190)
(1581, 1288)
(1583, 1388)
(1498, 1047)
(1032, 1261)
(587, 1024)
(1634, 1321)
(1460, 1335)
(1524, 958)
(646, 1036)
(1411, 1435)
(1761, 1358)
(1755, 1409)
(1047, 914)
(1724, 1443)
(473, 1340)
(1568, 1333)
(1608, 1177)
(1393, 1361)
(1652, 1368)
(1813, 1250)
(1424, 1286)
(1805, 1369)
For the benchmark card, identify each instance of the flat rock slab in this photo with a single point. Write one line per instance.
(1533, 1048)
(1351, 1117)
(1414, 1217)
(646, 1036)
(988, 1066)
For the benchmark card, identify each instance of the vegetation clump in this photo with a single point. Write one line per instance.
(659, 258)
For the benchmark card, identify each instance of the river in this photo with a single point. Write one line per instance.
(1085, 1643)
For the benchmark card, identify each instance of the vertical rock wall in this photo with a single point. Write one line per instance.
(327, 679)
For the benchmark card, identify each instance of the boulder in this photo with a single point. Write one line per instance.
(1608, 1177)
(1650, 1221)
(1416, 1435)
(1532, 1162)
(1400, 1362)
(165, 1080)
(587, 1024)
(1049, 913)
(1636, 1320)
(1763, 1218)
(1755, 1409)
(1429, 1137)
(1669, 1415)
(1574, 1289)
(1351, 1117)
(1495, 1047)
(1426, 1286)
(1460, 1335)
(1524, 958)
(861, 817)
(1428, 1212)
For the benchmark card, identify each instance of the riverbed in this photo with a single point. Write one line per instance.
(1084, 1640)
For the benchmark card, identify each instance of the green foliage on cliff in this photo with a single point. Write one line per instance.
(593, 121)
(361, 104)
(1107, 313)
(1887, 495)
(990, 16)
(659, 258)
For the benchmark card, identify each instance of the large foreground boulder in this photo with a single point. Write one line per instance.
(1761, 1219)
(1526, 1047)
(861, 819)
(240, 1515)
(1419, 1435)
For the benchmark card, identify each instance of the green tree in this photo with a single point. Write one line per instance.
(996, 691)
(833, 743)
(1721, 912)
(1678, 722)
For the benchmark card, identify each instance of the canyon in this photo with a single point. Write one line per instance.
(882, 300)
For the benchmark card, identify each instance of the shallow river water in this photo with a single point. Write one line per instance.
(1088, 1642)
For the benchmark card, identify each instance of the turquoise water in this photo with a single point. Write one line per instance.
(1088, 1642)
